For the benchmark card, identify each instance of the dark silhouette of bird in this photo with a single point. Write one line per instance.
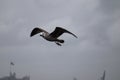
(53, 36)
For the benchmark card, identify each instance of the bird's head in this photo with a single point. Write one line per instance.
(42, 34)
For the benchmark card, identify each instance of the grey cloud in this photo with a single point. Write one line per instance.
(110, 6)
(96, 23)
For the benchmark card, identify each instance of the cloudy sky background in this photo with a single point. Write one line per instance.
(95, 22)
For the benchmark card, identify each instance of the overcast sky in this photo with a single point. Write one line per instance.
(95, 22)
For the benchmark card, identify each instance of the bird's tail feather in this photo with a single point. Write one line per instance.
(61, 41)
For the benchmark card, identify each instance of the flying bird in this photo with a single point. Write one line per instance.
(53, 36)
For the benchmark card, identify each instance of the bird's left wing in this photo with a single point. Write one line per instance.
(36, 31)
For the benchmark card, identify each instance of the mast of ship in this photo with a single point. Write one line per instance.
(103, 77)
(11, 64)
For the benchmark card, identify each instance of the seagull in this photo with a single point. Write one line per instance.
(53, 36)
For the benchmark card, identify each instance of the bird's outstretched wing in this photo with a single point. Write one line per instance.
(36, 31)
(59, 31)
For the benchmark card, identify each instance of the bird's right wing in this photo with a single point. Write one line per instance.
(36, 31)
(59, 31)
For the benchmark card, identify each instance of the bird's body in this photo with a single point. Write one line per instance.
(53, 37)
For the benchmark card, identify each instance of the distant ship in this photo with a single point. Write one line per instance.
(12, 76)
